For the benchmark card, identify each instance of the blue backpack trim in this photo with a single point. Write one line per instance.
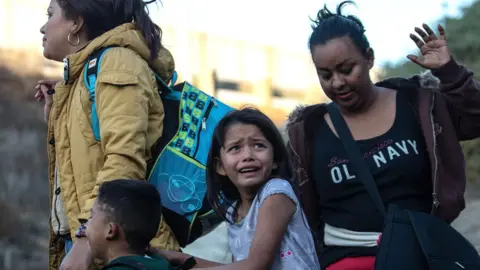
(92, 68)
(172, 94)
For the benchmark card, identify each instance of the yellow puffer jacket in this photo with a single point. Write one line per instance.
(130, 113)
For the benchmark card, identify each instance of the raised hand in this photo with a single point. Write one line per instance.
(434, 50)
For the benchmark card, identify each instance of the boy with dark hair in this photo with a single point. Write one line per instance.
(124, 219)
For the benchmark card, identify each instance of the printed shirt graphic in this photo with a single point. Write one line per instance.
(297, 249)
(398, 161)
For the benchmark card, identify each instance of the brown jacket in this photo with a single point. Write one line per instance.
(447, 103)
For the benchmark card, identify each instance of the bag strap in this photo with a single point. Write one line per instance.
(358, 162)
(90, 74)
(166, 91)
(90, 79)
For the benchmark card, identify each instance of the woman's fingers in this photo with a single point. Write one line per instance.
(417, 41)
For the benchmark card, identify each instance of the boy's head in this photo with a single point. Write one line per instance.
(125, 217)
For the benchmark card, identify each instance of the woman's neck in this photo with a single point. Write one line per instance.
(78, 48)
(81, 47)
(367, 105)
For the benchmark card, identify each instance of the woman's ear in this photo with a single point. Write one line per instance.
(77, 26)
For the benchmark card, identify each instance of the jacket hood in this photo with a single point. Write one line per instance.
(127, 36)
(425, 80)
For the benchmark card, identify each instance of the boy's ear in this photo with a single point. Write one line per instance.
(219, 168)
(113, 231)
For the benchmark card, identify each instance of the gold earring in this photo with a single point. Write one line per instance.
(69, 38)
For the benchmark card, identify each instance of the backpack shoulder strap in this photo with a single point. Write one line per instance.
(90, 79)
(168, 91)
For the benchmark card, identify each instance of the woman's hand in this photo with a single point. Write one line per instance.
(44, 91)
(434, 49)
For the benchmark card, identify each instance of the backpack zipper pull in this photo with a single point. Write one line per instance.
(204, 124)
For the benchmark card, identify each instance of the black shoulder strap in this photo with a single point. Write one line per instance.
(359, 164)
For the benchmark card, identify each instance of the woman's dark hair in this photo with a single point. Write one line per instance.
(329, 25)
(221, 193)
(102, 16)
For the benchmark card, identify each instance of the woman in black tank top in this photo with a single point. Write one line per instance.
(396, 124)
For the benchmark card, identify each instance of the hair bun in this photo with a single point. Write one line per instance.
(325, 14)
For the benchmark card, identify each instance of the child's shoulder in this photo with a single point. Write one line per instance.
(138, 262)
(277, 186)
(277, 183)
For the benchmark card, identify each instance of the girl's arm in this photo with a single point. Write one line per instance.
(274, 216)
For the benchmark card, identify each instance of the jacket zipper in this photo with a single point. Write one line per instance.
(204, 123)
(436, 202)
(55, 177)
(56, 194)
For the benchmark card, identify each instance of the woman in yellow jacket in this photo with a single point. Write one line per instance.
(129, 110)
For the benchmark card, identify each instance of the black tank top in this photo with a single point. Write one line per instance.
(399, 163)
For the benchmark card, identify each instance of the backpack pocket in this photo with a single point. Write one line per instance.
(180, 182)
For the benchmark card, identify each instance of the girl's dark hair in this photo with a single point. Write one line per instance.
(329, 25)
(102, 16)
(221, 193)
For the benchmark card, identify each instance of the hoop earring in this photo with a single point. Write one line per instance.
(69, 38)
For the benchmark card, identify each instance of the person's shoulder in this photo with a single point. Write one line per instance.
(277, 183)
(301, 113)
(277, 186)
(425, 80)
(120, 59)
(142, 262)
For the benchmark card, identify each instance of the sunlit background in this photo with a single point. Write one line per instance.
(248, 52)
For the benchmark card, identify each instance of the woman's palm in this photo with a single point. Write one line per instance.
(435, 52)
